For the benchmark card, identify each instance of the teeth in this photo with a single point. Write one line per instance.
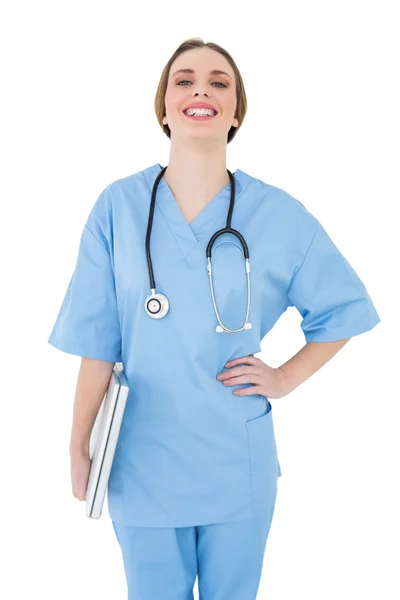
(200, 111)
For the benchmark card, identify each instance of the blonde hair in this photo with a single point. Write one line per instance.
(241, 100)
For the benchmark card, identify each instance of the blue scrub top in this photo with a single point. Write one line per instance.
(190, 452)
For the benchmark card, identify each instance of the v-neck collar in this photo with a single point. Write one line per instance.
(188, 235)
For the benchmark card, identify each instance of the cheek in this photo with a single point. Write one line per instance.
(228, 104)
(173, 99)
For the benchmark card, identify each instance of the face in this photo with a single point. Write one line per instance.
(218, 90)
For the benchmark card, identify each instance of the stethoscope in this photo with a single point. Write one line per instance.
(157, 305)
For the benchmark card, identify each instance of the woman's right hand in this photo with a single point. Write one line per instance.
(80, 468)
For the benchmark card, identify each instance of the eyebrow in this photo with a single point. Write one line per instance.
(214, 72)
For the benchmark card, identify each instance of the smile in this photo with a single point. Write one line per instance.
(199, 117)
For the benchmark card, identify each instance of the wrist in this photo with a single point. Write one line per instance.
(286, 384)
(79, 448)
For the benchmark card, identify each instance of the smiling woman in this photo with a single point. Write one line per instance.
(194, 480)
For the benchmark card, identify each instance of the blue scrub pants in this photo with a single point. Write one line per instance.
(161, 563)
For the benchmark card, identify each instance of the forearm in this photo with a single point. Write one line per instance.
(307, 361)
(93, 380)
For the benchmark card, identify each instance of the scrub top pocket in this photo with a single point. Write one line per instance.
(264, 464)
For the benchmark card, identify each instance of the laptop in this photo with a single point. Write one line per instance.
(103, 440)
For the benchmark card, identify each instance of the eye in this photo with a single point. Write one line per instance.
(187, 81)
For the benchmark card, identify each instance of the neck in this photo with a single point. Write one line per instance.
(197, 173)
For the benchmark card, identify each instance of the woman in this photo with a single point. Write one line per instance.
(194, 480)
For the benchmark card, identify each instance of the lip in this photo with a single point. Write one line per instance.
(201, 105)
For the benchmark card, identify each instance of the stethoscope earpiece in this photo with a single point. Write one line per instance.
(157, 305)
(220, 329)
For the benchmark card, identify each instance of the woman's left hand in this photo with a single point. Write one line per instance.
(267, 381)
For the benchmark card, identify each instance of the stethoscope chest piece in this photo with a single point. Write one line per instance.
(156, 305)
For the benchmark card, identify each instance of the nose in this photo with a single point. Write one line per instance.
(197, 93)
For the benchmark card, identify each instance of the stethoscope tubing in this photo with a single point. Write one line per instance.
(227, 229)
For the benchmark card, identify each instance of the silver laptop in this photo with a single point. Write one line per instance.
(103, 440)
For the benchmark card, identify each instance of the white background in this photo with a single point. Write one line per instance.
(323, 124)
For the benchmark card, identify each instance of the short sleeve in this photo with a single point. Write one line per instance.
(329, 295)
(88, 323)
